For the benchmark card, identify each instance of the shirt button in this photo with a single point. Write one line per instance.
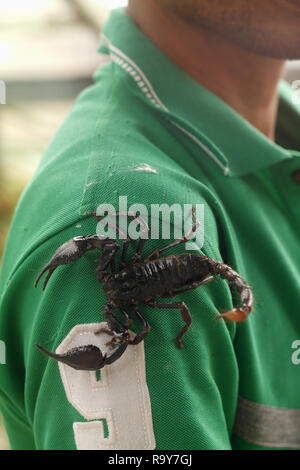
(295, 175)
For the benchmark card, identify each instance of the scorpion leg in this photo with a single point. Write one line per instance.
(122, 234)
(144, 231)
(145, 329)
(128, 322)
(108, 254)
(155, 254)
(185, 313)
(143, 238)
(119, 332)
(128, 319)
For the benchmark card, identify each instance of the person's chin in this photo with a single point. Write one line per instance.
(294, 2)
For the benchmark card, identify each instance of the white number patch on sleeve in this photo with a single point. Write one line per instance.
(117, 396)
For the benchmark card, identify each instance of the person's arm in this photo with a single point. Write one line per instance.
(191, 393)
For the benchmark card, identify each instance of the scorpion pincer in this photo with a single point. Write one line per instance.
(141, 281)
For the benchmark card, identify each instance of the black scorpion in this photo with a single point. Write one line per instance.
(141, 281)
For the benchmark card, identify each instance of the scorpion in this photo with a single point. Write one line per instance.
(140, 281)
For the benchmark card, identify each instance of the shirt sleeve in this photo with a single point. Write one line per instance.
(155, 396)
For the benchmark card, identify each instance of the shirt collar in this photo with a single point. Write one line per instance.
(234, 144)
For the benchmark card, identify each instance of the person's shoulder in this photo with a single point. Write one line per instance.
(109, 146)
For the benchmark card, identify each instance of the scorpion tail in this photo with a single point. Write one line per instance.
(81, 358)
(235, 281)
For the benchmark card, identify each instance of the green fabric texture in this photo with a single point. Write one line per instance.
(147, 131)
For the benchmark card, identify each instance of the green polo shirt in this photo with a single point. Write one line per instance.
(148, 131)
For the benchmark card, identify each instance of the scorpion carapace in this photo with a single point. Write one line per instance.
(141, 281)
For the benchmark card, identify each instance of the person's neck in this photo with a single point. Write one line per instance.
(246, 81)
